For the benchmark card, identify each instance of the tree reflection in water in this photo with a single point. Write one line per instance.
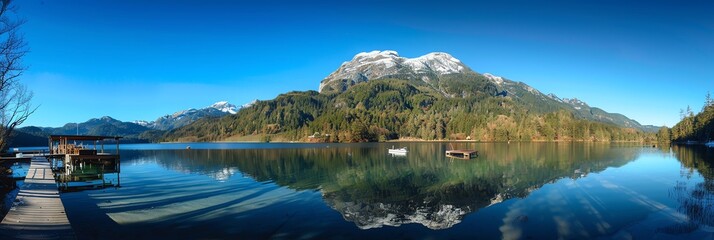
(696, 201)
(372, 189)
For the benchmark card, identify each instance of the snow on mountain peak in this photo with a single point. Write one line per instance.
(143, 123)
(183, 112)
(442, 56)
(250, 104)
(576, 103)
(377, 64)
(224, 106)
(440, 62)
(376, 54)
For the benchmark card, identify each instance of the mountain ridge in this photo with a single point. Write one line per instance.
(187, 116)
(134, 131)
(379, 96)
(372, 65)
(379, 64)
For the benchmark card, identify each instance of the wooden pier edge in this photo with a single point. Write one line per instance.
(37, 212)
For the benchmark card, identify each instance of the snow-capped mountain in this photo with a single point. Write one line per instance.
(454, 79)
(576, 103)
(142, 123)
(185, 117)
(225, 107)
(382, 64)
(250, 104)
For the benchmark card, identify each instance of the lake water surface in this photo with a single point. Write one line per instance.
(359, 191)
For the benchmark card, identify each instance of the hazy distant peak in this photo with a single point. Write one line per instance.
(103, 119)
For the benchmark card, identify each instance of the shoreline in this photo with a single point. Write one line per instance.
(422, 141)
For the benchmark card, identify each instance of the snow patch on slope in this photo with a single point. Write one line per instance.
(495, 79)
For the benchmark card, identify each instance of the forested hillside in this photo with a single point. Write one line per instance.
(386, 109)
(699, 127)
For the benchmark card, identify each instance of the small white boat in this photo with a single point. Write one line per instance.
(398, 150)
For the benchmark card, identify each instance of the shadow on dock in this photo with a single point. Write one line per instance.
(37, 212)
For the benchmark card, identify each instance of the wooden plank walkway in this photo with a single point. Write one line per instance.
(37, 212)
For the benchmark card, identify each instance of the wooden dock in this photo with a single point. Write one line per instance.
(37, 212)
(463, 154)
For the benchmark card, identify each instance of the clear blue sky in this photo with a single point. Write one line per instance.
(138, 60)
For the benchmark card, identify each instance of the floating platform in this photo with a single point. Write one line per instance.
(463, 154)
(37, 212)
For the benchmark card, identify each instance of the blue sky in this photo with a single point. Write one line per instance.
(138, 60)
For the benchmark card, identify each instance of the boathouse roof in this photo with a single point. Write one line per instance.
(82, 137)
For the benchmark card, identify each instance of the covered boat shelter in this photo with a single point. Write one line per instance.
(75, 144)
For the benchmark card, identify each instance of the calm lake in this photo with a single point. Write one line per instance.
(359, 191)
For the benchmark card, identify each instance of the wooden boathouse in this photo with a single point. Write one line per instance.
(80, 145)
(78, 150)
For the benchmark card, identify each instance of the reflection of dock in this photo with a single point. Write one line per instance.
(463, 154)
(37, 212)
(84, 161)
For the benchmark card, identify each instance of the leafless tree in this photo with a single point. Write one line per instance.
(15, 106)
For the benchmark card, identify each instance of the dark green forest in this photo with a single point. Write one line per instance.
(388, 109)
(699, 127)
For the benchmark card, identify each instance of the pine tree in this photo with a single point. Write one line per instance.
(664, 135)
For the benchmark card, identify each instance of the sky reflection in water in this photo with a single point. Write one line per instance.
(511, 191)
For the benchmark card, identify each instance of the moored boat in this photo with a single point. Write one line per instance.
(398, 150)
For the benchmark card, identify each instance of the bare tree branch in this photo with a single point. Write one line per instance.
(15, 98)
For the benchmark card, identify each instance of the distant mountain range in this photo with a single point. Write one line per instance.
(106, 126)
(185, 117)
(380, 95)
(132, 131)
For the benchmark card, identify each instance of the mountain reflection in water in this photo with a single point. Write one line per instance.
(373, 189)
(359, 191)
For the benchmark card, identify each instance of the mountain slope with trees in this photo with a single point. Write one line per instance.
(699, 127)
(381, 96)
(387, 109)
